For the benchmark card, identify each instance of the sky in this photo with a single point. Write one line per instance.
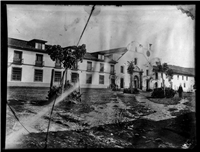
(170, 31)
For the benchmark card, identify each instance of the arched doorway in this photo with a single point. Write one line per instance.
(156, 84)
(136, 81)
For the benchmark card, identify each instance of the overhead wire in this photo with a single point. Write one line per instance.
(46, 139)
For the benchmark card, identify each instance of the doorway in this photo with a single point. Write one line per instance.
(122, 83)
(147, 84)
(136, 82)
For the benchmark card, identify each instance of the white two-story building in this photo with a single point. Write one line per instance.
(29, 65)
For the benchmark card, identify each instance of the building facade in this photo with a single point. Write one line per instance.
(30, 65)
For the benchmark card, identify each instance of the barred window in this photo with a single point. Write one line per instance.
(38, 75)
(17, 54)
(16, 74)
(89, 66)
(101, 79)
(89, 78)
(101, 67)
(74, 77)
(57, 76)
(111, 68)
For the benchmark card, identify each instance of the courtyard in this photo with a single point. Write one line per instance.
(103, 119)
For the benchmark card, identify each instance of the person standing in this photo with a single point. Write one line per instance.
(180, 91)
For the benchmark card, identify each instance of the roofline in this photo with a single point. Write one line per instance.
(104, 51)
(37, 40)
(28, 49)
(42, 51)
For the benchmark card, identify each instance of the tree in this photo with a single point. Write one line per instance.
(130, 70)
(164, 69)
(68, 57)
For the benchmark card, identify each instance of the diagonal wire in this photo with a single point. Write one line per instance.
(19, 121)
(86, 24)
(17, 117)
(62, 84)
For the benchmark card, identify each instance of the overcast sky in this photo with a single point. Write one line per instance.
(170, 31)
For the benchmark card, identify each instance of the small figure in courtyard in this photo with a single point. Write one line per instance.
(180, 91)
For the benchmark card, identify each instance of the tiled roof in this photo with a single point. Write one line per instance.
(22, 44)
(89, 56)
(181, 70)
(112, 51)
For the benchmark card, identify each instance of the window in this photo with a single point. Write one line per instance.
(38, 46)
(57, 63)
(122, 69)
(184, 85)
(57, 76)
(186, 77)
(38, 75)
(147, 72)
(135, 61)
(101, 67)
(74, 77)
(100, 57)
(182, 77)
(89, 66)
(177, 77)
(17, 57)
(111, 68)
(156, 75)
(75, 66)
(39, 60)
(88, 78)
(16, 74)
(101, 79)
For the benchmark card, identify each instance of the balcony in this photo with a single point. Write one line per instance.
(101, 70)
(112, 72)
(17, 61)
(58, 65)
(74, 68)
(90, 69)
(39, 63)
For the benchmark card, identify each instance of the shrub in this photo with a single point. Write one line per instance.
(114, 87)
(159, 93)
(128, 90)
(54, 90)
(149, 90)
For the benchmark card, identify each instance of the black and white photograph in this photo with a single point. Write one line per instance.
(100, 76)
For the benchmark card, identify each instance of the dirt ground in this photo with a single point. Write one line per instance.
(104, 119)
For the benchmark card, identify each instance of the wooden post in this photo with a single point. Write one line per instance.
(52, 77)
(65, 77)
(79, 83)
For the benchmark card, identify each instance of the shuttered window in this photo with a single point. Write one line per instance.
(57, 77)
(38, 75)
(16, 74)
(74, 77)
(89, 78)
(101, 79)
